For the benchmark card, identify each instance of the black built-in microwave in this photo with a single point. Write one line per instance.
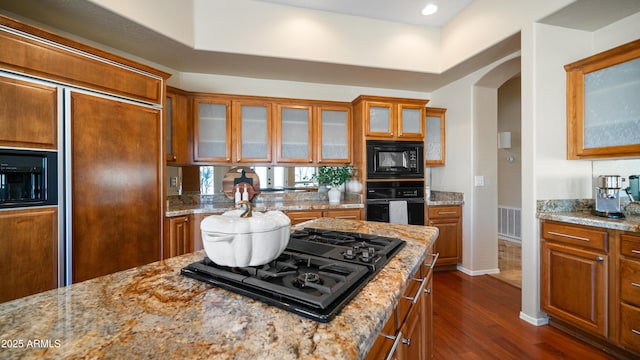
(28, 178)
(395, 159)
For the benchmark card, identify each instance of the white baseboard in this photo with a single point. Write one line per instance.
(534, 321)
(477, 272)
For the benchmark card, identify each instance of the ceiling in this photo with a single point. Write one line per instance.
(402, 11)
(86, 20)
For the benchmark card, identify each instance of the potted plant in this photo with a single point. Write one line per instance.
(334, 176)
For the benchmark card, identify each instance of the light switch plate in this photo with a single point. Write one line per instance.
(479, 180)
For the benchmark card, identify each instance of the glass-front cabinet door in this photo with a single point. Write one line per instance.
(435, 137)
(380, 119)
(294, 133)
(212, 130)
(603, 111)
(334, 132)
(411, 121)
(253, 133)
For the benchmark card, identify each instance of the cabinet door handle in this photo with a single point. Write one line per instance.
(635, 331)
(396, 342)
(305, 218)
(634, 251)
(635, 284)
(446, 212)
(415, 299)
(568, 236)
(346, 217)
(435, 259)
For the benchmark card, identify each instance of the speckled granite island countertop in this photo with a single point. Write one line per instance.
(579, 212)
(629, 223)
(154, 312)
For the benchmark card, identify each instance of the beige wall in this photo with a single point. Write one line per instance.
(509, 173)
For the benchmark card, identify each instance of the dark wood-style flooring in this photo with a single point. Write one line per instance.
(477, 317)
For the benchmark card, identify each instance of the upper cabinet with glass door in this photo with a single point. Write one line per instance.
(253, 131)
(603, 111)
(317, 133)
(333, 139)
(435, 137)
(294, 131)
(212, 129)
(392, 118)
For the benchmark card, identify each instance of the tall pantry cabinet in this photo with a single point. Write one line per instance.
(109, 131)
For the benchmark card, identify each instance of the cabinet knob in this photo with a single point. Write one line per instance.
(406, 342)
(228, 159)
(186, 220)
(599, 258)
(391, 134)
(174, 157)
(311, 160)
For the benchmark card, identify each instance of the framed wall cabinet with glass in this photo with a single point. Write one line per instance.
(392, 118)
(435, 137)
(313, 134)
(212, 129)
(603, 111)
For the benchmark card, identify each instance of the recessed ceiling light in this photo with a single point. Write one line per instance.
(430, 9)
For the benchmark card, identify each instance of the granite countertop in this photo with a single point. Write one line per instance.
(629, 223)
(154, 312)
(439, 198)
(283, 205)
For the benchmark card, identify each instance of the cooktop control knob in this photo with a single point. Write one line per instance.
(349, 254)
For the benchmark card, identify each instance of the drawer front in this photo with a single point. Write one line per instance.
(436, 212)
(302, 216)
(630, 246)
(574, 235)
(630, 281)
(407, 300)
(630, 327)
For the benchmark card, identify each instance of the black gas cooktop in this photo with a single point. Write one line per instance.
(315, 277)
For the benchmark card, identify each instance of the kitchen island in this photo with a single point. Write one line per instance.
(154, 312)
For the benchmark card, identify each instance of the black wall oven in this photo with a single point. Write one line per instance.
(28, 178)
(395, 159)
(381, 194)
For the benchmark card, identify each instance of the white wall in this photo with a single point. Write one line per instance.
(509, 120)
(546, 172)
(471, 131)
(278, 88)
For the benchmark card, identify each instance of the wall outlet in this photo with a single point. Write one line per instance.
(479, 180)
(173, 182)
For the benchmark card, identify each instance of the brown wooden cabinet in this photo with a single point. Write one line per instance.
(306, 215)
(574, 270)
(629, 283)
(28, 114)
(28, 252)
(312, 133)
(590, 284)
(116, 185)
(408, 334)
(448, 220)
(212, 130)
(435, 137)
(178, 239)
(178, 128)
(601, 122)
(391, 118)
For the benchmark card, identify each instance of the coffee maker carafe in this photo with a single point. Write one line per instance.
(607, 196)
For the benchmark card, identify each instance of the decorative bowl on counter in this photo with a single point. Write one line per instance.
(234, 240)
